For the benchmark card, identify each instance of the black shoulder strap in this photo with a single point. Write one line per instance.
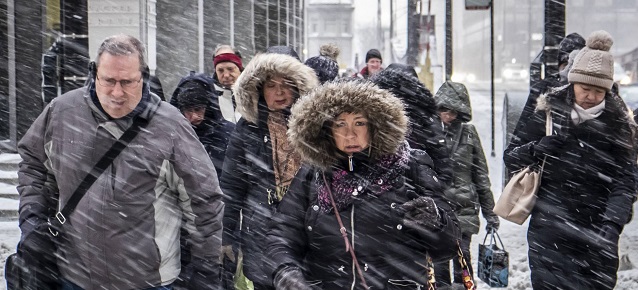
(102, 164)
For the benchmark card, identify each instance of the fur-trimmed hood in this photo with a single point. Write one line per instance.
(310, 135)
(248, 87)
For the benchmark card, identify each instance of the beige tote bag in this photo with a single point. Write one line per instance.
(519, 195)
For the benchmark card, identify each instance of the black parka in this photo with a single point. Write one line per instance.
(248, 176)
(591, 182)
(470, 190)
(390, 254)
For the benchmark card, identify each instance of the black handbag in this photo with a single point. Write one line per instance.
(493, 262)
(19, 273)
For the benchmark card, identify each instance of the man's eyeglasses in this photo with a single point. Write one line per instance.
(126, 84)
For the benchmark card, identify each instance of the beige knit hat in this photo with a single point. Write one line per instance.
(594, 65)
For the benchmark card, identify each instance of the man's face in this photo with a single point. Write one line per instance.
(374, 65)
(118, 83)
(227, 73)
(195, 115)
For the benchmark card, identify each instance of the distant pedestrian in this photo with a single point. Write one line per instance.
(228, 66)
(470, 191)
(374, 63)
(325, 64)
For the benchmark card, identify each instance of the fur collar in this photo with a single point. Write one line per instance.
(310, 137)
(247, 88)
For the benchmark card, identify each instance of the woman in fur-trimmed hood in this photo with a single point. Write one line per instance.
(587, 188)
(351, 137)
(260, 164)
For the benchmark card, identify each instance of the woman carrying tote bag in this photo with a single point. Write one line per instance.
(587, 188)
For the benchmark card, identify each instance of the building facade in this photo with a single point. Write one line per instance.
(331, 21)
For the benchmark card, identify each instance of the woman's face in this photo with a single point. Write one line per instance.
(447, 116)
(278, 93)
(588, 96)
(351, 133)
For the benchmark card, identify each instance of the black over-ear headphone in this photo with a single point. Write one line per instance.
(92, 70)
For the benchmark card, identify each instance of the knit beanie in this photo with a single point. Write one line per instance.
(594, 64)
(325, 64)
(228, 57)
(570, 43)
(192, 94)
(373, 53)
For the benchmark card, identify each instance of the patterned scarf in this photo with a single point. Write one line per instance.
(372, 180)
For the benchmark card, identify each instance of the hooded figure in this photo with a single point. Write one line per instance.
(357, 165)
(260, 163)
(282, 49)
(197, 91)
(425, 131)
(587, 188)
(470, 189)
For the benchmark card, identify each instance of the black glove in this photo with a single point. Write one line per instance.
(290, 278)
(37, 249)
(205, 275)
(492, 224)
(228, 259)
(609, 233)
(550, 145)
(422, 212)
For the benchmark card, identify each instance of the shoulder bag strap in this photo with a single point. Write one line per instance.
(344, 233)
(549, 126)
(102, 164)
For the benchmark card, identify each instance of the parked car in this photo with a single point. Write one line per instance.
(515, 72)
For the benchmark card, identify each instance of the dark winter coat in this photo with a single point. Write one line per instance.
(248, 168)
(425, 132)
(470, 190)
(214, 132)
(590, 183)
(124, 232)
(307, 236)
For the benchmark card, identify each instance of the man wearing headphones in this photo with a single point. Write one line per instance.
(124, 231)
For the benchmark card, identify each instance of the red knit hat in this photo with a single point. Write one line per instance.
(228, 57)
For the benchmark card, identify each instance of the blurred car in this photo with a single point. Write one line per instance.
(620, 75)
(515, 72)
(629, 94)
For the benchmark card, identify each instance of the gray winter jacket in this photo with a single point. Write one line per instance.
(124, 233)
(470, 190)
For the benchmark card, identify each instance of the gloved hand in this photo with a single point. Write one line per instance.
(290, 278)
(609, 233)
(205, 275)
(37, 250)
(227, 253)
(421, 212)
(229, 266)
(550, 145)
(492, 223)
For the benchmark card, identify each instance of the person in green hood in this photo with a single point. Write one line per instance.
(470, 189)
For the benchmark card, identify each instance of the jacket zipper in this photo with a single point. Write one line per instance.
(350, 166)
